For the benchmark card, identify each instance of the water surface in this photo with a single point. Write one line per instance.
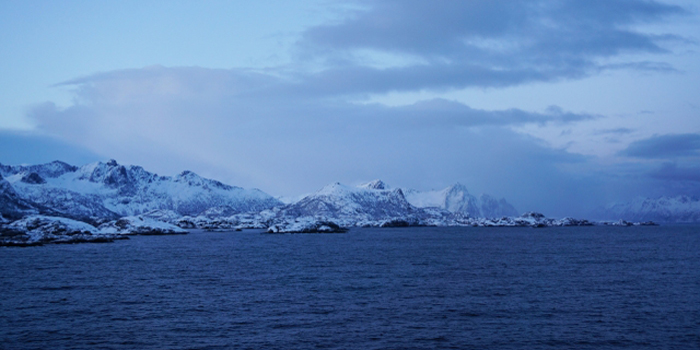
(411, 288)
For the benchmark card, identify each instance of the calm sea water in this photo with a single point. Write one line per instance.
(415, 288)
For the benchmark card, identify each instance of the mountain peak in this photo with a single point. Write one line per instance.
(189, 174)
(193, 179)
(48, 170)
(458, 187)
(333, 188)
(352, 204)
(374, 185)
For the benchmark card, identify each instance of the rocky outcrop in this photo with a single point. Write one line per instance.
(306, 225)
(39, 230)
(33, 179)
(139, 225)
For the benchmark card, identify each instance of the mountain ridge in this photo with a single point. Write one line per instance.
(110, 190)
(457, 199)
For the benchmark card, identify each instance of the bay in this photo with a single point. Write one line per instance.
(409, 288)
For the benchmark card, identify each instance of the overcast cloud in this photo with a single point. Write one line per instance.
(292, 128)
(482, 43)
(665, 146)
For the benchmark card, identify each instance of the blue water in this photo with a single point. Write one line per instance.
(411, 288)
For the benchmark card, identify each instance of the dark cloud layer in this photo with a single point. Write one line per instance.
(665, 146)
(671, 172)
(487, 43)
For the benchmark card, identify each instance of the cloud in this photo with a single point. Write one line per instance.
(291, 129)
(494, 43)
(615, 131)
(664, 147)
(671, 172)
(236, 126)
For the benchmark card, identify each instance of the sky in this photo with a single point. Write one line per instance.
(560, 106)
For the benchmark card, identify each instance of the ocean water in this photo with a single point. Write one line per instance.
(403, 288)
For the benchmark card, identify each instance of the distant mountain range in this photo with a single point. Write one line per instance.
(101, 202)
(106, 191)
(456, 199)
(679, 209)
(100, 192)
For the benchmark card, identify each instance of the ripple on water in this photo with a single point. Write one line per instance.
(410, 288)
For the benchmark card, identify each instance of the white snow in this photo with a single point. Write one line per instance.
(42, 223)
(662, 209)
(141, 191)
(457, 199)
(139, 225)
(47, 229)
(426, 199)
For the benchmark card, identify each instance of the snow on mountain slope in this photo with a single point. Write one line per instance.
(86, 207)
(375, 204)
(375, 185)
(109, 190)
(493, 208)
(140, 225)
(353, 205)
(11, 204)
(52, 170)
(39, 229)
(457, 199)
(664, 209)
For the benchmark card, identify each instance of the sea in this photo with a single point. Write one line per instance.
(394, 288)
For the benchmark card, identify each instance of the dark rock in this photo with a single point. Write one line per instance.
(396, 223)
(33, 179)
(307, 227)
(533, 215)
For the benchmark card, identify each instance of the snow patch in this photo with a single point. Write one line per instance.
(140, 225)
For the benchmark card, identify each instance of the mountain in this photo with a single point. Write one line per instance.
(53, 169)
(110, 190)
(375, 185)
(130, 199)
(354, 205)
(11, 204)
(457, 199)
(376, 204)
(679, 209)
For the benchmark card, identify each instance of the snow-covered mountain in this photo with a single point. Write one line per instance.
(457, 199)
(376, 204)
(354, 205)
(678, 209)
(110, 190)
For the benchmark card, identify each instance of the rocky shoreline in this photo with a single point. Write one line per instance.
(38, 230)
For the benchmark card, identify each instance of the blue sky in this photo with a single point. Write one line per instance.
(559, 106)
